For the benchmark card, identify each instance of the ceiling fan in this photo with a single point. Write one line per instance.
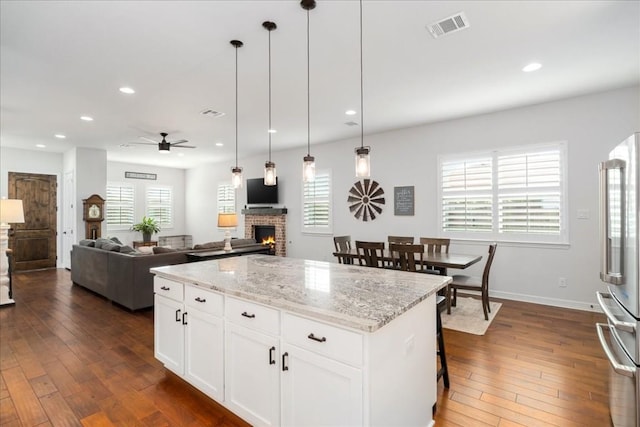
(164, 146)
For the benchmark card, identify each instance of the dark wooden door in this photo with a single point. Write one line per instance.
(34, 242)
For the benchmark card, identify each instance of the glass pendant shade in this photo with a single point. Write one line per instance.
(363, 162)
(236, 177)
(269, 173)
(309, 169)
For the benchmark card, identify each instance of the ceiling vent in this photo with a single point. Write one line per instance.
(351, 124)
(449, 25)
(212, 113)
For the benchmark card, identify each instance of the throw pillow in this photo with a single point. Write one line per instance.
(125, 249)
(87, 242)
(163, 250)
(113, 247)
(210, 245)
(115, 240)
(242, 242)
(101, 241)
(147, 250)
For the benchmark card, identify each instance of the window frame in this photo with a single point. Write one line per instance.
(162, 224)
(495, 234)
(120, 225)
(223, 208)
(319, 229)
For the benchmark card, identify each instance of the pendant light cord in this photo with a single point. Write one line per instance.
(269, 131)
(308, 94)
(236, 106)
(361, 86)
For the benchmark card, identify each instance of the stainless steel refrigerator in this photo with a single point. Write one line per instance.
(620, 261)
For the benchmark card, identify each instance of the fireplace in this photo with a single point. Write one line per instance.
(276, 218)
(266, 234)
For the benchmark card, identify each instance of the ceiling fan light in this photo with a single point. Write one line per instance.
(309, 169)
(363, 162)
(269, 173)
(164, 147)
(236, 177)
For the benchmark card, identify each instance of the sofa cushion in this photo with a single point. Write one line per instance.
(147, 250)
(210, 245)
(114, 247)
(100, 241)
(163, 250)
(126, 249)
(242, 242)
(87, 242)
(115, 240)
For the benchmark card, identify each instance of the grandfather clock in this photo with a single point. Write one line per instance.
(93, 215)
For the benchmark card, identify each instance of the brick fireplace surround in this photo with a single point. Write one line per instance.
(267, 216)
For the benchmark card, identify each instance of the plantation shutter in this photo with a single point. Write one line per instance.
(160, 205)
(530, 192)
(317, 203)
(119, 206)
(226, 198)
(466, 186)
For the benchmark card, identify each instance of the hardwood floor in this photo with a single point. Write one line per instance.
(69, 357)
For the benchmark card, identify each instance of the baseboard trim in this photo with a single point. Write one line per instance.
(555, 302)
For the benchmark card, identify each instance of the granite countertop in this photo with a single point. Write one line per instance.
(357, 297)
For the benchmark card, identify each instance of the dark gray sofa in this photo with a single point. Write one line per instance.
(125, 278)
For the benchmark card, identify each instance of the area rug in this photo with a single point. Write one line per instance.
(468, 317)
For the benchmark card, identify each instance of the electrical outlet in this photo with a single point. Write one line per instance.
(562, 282)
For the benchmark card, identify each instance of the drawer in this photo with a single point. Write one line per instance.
(168, 288)
(252, 315)
(203, 300)
(331, 341)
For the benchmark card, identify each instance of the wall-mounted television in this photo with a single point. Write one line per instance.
(260, 194)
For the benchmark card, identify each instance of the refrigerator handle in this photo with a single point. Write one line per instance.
(605, 268)
(621, 369)
(618, 324)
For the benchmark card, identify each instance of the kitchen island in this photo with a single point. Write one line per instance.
(285, 341)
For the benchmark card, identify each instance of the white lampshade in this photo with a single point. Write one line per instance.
(11, 211)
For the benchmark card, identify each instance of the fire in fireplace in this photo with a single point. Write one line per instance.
(266, 235)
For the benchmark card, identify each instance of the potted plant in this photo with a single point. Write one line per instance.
(147, 227)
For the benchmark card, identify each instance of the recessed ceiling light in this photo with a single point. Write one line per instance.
(86, 118)
(40, 145)
(219, 144)
(272, 131)
(350, 112)
(534, 66)
(59, 136)
(127, 90)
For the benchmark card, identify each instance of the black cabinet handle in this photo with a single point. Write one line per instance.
(184, 318)
(315, 338)
(250, 316)
(200, 299)
(178, 315)
(284, 361)
(271, 359)
(164, 288)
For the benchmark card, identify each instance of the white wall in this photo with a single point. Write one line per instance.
(168, 177)
(591, 125)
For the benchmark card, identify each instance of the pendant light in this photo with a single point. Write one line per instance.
(236, 171)
(309, 164)
(363, 161)
(269, 166)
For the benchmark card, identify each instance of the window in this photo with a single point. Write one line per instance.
(226, 198)
(160, 205)
(513, 195)
(119, 206)
(316, 204)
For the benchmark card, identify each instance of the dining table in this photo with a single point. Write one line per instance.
(433, 260)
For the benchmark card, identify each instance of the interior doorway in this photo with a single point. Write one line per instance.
(34, 243)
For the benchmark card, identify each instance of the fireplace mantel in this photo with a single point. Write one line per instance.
(264, 211)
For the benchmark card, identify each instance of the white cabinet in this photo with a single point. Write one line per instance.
(318, 391)
(203, 352)
(168, 327)
(252, 371)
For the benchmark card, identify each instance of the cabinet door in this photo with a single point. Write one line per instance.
(169, 333)
(252, 370)
(204, 353)
(319, 391)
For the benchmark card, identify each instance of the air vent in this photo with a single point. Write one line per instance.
(212, 113)
(449, 25)
(351, 124)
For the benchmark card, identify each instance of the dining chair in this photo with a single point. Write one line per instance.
(370, 254)
(433, 245)
(473, 284)
(406, 257)
(343, 244)
(400, 239)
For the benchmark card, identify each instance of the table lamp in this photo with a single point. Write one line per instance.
(228, 221)
(10, 212)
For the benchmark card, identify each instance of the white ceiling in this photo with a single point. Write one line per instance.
(63, 59)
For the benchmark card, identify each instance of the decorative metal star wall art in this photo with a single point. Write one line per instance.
(366, 199)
